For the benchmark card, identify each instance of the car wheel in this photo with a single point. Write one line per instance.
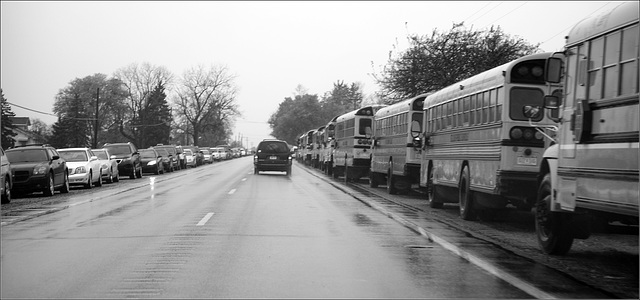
(65, 186)
(49, 189)
(99, 181)
(289, 171)
(6, 198)
(134, 172)
(117, 177)
(89, 184)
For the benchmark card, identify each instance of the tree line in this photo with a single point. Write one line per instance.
(133, 106)
(430, 62)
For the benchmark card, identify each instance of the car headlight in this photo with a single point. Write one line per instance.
(40, 169)
(80, 170)
(105, 166)
(151, 163)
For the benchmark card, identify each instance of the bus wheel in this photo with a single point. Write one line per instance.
(346, 174)
(465, 196)
(373, 179)
(391, 182)
(551, 228)
(432, 193)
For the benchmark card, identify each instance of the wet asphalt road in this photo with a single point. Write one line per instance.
(219, 231)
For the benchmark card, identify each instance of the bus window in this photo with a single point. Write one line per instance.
(629, 62)
(595, 69)
(363, 124)
(521, 97)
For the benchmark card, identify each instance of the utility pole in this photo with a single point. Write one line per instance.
(95, 127)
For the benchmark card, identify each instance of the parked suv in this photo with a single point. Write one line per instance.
(127, 157)
(38, 168)
(272, 155)
(5, 178)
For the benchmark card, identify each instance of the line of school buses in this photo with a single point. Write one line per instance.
(557, 132)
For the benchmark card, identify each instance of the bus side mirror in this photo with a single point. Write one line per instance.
(551, 102)
(553, 70)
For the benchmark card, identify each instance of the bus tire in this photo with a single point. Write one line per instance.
(391, 181)
(373, 179)
(552, 230)
(465, 196)
(432, 192)
(346, 174)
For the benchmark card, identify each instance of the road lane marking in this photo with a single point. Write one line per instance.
(244, 179)
(232, 191)
(205, 219)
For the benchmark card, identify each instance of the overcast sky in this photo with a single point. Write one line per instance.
(272, 47)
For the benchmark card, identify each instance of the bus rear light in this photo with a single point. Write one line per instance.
(515, 133)
(538, 135)
(528, 134)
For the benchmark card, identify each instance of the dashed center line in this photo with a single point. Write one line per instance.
(205, 219)
(232, 191)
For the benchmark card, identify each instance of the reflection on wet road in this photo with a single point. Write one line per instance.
(189, 236)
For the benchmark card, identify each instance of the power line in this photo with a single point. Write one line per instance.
(570, 26)
(476, 12)
(33, 110)
(486, 12)
(496, 20)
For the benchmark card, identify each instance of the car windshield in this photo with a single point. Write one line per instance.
(119, 149)
(188, 152)
(26, 155)
(147, 154)
(170, 150)
(101, 154)
(74, 156)
(273, 147)
(163, 152)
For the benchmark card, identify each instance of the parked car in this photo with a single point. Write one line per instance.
(127, 157)
(206, 155)
(36, 168)
(5, 178)
(197, 153)
(84, 167)
(109, 164)
(190, 158)
(181, 157)
(167, 163)
(272, 155)
(218, 154)
(151, 161)
(174, 155)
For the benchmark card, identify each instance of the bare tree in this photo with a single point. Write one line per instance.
(206, 99)
(139, 82)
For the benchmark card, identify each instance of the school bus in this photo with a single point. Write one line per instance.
(352, 152)
(590, 174)
(328, 140)
(317, 146)
(396, 152)
(481, 148)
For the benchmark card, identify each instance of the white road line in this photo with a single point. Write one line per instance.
(232, 191)
(205, 219)
(244, 179)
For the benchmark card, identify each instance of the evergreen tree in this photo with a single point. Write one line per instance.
(156, 120)
(7, 126)
(71, 130)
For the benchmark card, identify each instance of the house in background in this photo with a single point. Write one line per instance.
(24, 136)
